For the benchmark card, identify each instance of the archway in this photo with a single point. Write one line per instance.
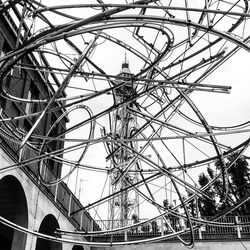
(13, 207)
(77, 247)
(48, 226)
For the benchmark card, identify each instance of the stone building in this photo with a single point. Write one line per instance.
(24, 200)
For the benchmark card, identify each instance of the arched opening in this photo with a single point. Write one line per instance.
(77, 248)
(48, 226)
(13, 207)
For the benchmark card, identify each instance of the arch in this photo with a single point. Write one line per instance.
(13, 206)
(48, 226)
(75, 247)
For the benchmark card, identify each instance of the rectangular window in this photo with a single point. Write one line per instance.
(6, 48)
(33, 94)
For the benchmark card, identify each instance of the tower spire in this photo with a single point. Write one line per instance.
(125, 63)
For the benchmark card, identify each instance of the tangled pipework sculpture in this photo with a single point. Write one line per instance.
(149, 117)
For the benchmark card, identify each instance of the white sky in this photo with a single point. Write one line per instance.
(218, 109)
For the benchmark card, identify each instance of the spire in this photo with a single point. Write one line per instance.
(125, 65)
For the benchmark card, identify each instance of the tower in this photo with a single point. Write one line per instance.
(125, 205)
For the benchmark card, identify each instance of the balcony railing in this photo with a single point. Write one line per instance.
(238, 228)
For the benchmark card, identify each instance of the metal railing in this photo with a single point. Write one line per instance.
(238, 228)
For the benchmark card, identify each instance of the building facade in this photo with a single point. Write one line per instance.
(31, 193)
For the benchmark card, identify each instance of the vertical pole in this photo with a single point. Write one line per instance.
(76, 183)
(81, 220)
(111, 239)
(198, 216)
(162, 227)
(200, 233)
(69, 208)
(126, 235)
(238, 227)
(92, 229)
(56, 191)
(44, 170)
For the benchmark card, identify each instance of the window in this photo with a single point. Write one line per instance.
(33, 94)
(6, 48)
(28, 104)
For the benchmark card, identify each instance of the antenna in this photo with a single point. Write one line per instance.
(125, 63)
